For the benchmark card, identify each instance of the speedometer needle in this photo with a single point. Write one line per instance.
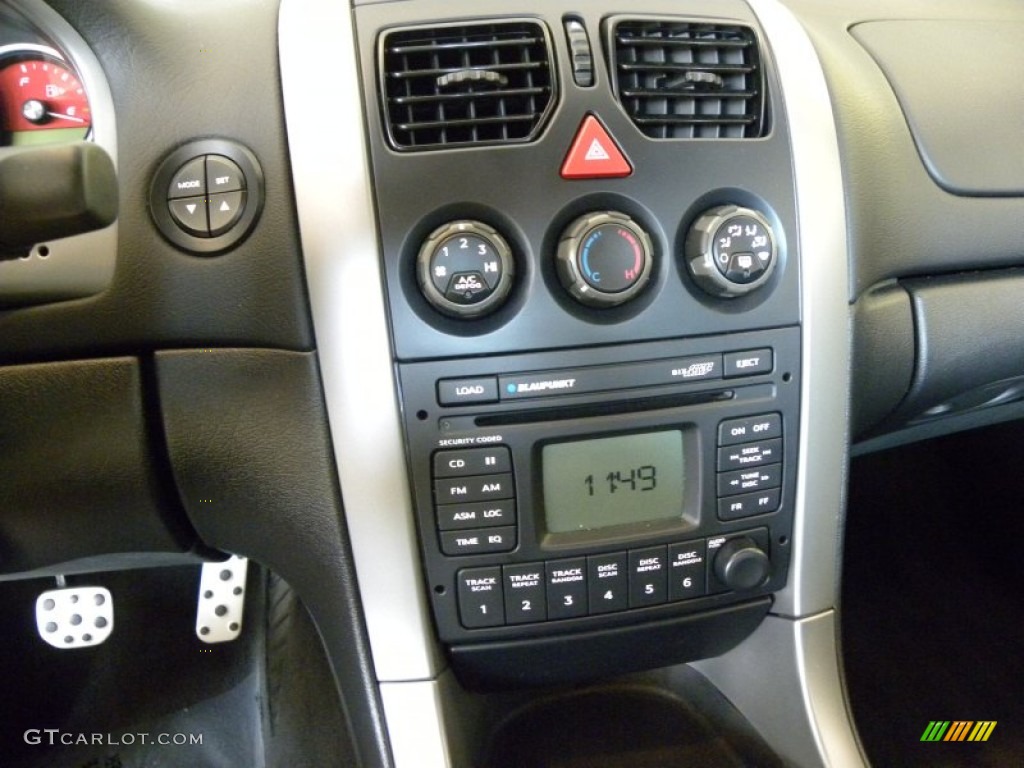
(66, 117)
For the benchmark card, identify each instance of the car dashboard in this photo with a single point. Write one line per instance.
(529, 349)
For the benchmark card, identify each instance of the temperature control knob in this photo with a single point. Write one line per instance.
(465, 269)
(604, 259)
(731, 251)
(741, 564)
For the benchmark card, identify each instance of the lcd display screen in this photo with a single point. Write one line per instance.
(608, 481)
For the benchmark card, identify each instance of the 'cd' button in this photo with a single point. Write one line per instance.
(190, 214)
(225, 211)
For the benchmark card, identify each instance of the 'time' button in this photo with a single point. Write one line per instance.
(476, 542)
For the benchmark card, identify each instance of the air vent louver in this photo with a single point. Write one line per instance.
(465, 85)
(688, 80)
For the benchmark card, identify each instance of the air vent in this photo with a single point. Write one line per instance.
(687, 80)
(466, 85)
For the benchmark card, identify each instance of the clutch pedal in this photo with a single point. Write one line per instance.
(221, 600)
(75, 617)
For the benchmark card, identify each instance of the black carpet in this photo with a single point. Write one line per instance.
(933, 598)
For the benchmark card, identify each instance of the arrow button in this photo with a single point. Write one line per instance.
(225, 211)
(189, 213)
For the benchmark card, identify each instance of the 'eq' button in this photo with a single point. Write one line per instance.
(476, 542)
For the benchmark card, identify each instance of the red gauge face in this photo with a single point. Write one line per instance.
(41, 100)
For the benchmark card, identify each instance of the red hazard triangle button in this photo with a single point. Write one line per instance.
(594, 154)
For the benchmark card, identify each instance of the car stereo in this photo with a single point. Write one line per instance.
(596, 487)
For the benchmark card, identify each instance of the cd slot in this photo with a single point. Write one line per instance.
(612, 408)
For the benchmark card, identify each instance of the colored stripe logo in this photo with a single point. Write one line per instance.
(958, 730)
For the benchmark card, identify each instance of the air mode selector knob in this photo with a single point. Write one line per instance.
(465, 269)
(604, 259)
(741, 564)
(731, 251)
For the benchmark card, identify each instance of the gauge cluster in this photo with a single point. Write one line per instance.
(58, 159)
(42, 98)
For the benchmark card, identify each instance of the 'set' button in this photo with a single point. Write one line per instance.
(223, 175)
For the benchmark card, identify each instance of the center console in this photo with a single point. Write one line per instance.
(578, 278)
(587, 226)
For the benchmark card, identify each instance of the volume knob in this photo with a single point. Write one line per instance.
(741, 565)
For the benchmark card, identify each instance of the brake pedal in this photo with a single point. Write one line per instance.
(75, 617)
(221, 600)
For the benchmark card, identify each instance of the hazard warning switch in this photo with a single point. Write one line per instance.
(594, 154)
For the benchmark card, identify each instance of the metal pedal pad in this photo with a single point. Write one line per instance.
(221, 600)
(75, 617)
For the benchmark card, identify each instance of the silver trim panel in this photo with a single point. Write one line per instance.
(825, 383)
(339, 241)
(784, 679)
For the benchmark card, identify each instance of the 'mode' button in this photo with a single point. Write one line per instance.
(189, 180)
